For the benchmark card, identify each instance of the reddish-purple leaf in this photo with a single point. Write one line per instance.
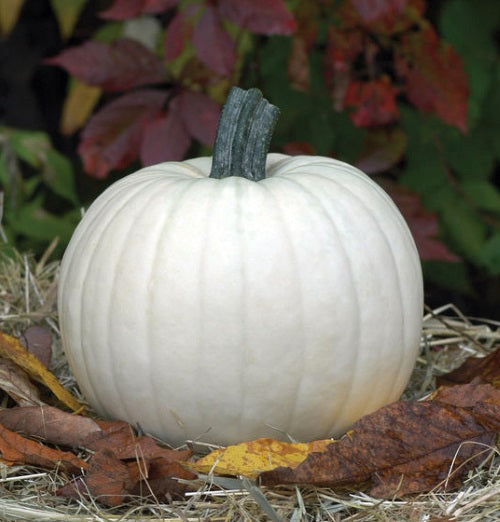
(200, 115)
(179, 31)
(118, 66)
(381, 16)
(374, 102)
(259, 16)
(164, 139)
(423, 224)
(113, 136)
(125, 9)
(371, 10)
(342, 49)
(213, 45)
(435, 80)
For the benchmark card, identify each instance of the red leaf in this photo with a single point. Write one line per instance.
(179, 31)
(370, 10)
(374, 101)
(164, 139)
(435, 80)
(113, 136)
(124, 9)
(200, 115)
(381, 16)
(259, 16)
(119, 66)
(423, 225)
(214, 47)
(342, 48)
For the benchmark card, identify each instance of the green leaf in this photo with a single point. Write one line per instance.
(67, 14)
(490, 255)
(484, 195)
(470, 27)
(58, 175)
(451, 276)
(34, 222)
(29, 145)
(463, 228)
(470, 156)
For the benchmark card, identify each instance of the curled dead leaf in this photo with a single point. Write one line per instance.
(12, 349)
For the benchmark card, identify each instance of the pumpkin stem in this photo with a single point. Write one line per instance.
(243, 135)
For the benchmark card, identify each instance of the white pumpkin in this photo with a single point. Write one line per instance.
(230, 309)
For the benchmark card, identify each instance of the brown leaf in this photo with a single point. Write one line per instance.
(18, 450)
(38, 341)
(108, 480)
(467, 395)
(17, 384)
(12, 349)
(405, 447)
(50, 424)
(485, 368)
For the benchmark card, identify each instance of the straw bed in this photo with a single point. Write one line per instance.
(28, 296)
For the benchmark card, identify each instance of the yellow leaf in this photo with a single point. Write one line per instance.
(78, 105)
(12, 349)
(67, 14)
(253, 457)
(9, 14)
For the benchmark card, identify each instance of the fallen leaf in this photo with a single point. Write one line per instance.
(467, 395)
(12, 349)
(50, 424)
(18, 450)
(253, 457)
(487, 369)
(122, 463)
(405, 447)
(108, 480)
(17, 384)
(38, 341)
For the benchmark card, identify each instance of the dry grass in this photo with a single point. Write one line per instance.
(28, 295)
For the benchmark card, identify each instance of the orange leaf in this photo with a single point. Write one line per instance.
(251, 458)
(17, 450)
(12, 349)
